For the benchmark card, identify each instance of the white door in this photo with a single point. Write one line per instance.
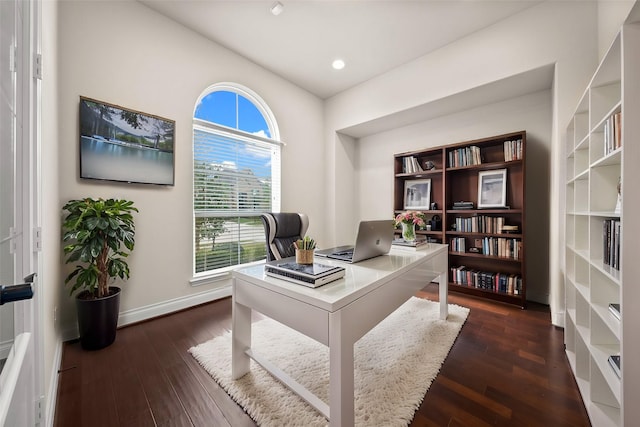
(18, 232)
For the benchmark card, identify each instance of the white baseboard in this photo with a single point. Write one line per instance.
(160, 309)
(52, 393)
(70, 333)
(558, 319)
(166, 307)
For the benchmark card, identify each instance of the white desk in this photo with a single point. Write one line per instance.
(337, 314)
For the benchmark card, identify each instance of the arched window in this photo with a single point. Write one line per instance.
(236, 176)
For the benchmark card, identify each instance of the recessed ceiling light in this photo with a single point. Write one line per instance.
(338, 64)
(277, 8)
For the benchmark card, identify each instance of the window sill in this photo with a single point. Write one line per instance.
(210, 278)
(218, 276)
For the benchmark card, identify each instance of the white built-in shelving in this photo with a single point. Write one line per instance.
(592, 333)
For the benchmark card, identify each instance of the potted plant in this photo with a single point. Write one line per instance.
(304, 250)
(98, 235)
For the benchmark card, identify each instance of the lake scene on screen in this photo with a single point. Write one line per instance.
(104, 160)
(118, 144)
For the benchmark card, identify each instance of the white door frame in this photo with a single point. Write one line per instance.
(21, 381)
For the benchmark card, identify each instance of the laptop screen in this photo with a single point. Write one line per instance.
(373, 239)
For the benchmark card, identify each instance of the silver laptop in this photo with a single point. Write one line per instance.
(374, 239)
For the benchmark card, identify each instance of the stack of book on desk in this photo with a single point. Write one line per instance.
(311, 275)
(400, 243)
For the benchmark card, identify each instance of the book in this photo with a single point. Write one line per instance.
(311, 275)
(466, 156)
(400, 243)
(411, 248)
(418, 242)
(612, 133)
(458, 244)
(513, 150)
(509, 229)
(614, 361)
(410, 164)
(611, 243)
(615, 310)
(497, 282)
(462, 205)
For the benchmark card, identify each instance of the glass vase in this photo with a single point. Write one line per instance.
(409, 232)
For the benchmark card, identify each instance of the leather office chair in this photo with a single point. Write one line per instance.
(281, 230)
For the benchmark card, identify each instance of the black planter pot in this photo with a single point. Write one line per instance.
(98, 319)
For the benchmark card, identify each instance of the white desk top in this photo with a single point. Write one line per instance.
(359, 279)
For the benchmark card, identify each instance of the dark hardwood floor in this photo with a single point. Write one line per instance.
(506, 368)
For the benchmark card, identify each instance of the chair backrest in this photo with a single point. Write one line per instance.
(281, 230)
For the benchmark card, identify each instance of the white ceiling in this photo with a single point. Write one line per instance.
(371, 36)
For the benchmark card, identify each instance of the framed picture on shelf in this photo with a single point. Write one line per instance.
(417, 194)
(492, 189)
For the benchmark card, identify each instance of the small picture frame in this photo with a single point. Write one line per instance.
(417, 194)
(492, 189)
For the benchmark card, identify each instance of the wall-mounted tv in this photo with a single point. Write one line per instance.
(118, 144)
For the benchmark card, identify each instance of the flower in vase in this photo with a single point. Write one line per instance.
(410, 217)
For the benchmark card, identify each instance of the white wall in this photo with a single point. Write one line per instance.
(611, 14)
(126, 54)
(50, 281)
(560, 33)
(530, 112)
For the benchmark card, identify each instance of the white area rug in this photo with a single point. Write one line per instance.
(395, 364)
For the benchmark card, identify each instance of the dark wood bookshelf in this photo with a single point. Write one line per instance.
(454, 180)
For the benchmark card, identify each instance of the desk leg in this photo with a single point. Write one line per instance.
(240, 337)
(443, 288)
(341, 382)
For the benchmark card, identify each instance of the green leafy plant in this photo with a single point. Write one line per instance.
(94, 233)
(306, 243)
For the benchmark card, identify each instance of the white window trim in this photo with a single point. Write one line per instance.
(209, 277)
(251, 96)
(233, 133)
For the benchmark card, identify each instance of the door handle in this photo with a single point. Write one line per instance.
(12, 293)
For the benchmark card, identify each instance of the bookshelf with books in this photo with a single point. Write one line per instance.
(602, 150)
(488, 238)
(485, 238)
(420, 166)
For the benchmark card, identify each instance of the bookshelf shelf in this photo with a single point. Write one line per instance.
(484, 211)
(454, 178)
(486, 166)
(419, 174)
(485, 293)
(601, 153)
(488, 257)
(462, 233)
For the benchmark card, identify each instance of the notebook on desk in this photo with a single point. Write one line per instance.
(373, 239)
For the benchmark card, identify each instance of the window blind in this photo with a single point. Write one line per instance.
(236, 178)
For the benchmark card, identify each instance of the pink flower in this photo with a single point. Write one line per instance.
(410, 217)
